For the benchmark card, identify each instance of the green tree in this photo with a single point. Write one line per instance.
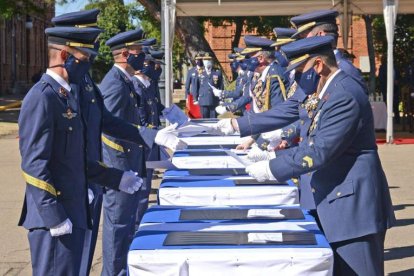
(10, 8)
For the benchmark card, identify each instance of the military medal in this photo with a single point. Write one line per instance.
(63, 91)
(69, 114)
(311, 104)
(215, 79)
(314, 122)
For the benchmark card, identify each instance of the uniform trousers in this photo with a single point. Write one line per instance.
(208, 111)
(56, 256)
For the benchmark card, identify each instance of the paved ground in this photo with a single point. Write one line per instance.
(398, 163)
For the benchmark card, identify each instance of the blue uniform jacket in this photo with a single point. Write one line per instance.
(238, 91)
(98, 119)
(241, 102)
(347, 180)
(190, 81)
(203, 92)
(122, 101)
(53, 157)
(148, 109)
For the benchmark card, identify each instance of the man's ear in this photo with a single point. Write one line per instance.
(64, 54)
(318, 65)
(125, 53)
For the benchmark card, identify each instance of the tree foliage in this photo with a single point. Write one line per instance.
(403, 39)
(10, 8)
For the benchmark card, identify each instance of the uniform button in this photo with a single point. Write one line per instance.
(313, 190)
(152, 113)
(338, 194)
(309, 173)
(129, 150)
(70, 128)
(93, 100)
(302, 122)
(300, 139)
(136, 105)
(58, 193)
(132, 95)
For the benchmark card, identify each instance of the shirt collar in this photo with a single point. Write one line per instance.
(264, 73)
(123, 71)
(327, 83)
(58, 79)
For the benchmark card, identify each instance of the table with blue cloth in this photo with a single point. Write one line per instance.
(167, 244)
(236, 190)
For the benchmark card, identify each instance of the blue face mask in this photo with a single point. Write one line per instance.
(253, 63)
(199, 63)
(234, 65)
(308, 81)
(76, 69)
(136, 61)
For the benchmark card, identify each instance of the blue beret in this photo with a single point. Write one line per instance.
(125, 39)
(80, 19)
(301, 50)
(257, 43)
(81, 38)
(307, 21)
(283, 36)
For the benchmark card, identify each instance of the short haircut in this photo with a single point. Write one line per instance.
(268, 55)
(328, 57)
(330, 29)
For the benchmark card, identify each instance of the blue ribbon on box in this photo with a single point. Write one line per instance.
(175, 115)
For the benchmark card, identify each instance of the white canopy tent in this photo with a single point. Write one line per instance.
(173, 8)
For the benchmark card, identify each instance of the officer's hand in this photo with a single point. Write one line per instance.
(90, 196)
(221, 109)
(195, 102)
(167, 137)
(217, 92)
(245, 145)
(273, 135)
(61, 229)
(224, 126)
(260, 171)
(130, 182)
(256, 154)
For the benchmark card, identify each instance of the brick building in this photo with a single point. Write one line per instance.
(23, 49)
(220, 39)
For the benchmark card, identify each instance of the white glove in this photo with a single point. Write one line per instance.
(90, 196)
(167, 137)
(273, 135)
(217, 92)
(221, 109)
(130, 182)
(61, 229)
(195, 103)
(256, 154)
(260, 171)
(224, 127)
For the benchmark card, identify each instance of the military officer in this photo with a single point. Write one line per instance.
(52, 146)
(122, 101)
(339, 152)
(193, 72)
(203, 93)
(97, 120)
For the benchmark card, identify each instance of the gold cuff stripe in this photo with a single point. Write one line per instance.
(112, 144)
(38, 183)
(76, 44)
